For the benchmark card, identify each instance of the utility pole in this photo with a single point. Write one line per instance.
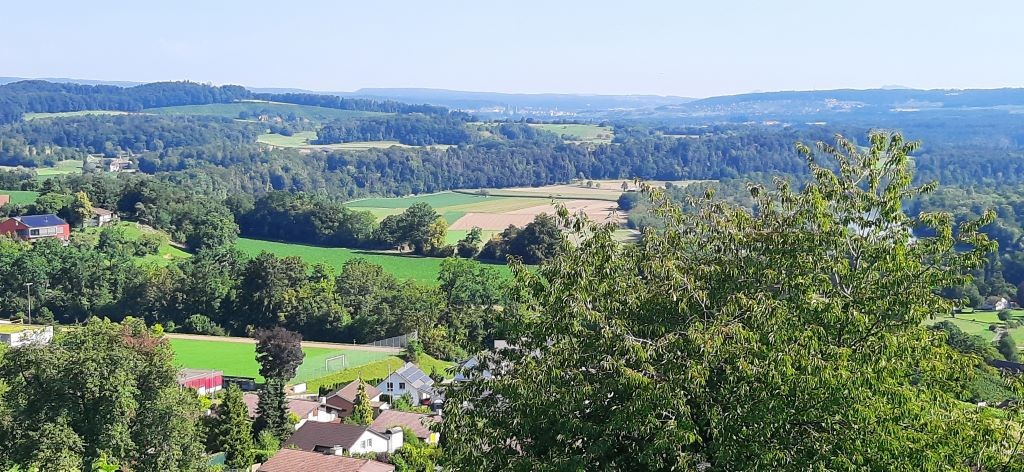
(28, 292)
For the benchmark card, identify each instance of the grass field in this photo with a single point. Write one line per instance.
(21, 196)
(239, 359)
(232, 110)
(977, 323)
(436, 200)
(423, 269)
(166, 253)
(302, 140)
(67, 114)
(585, 133)
(73, 166)
(376, 370)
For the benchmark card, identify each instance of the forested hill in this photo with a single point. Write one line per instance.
(40, 96)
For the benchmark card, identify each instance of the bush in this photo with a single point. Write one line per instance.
(1004, 315)
(1008, 348)
(149, 243)
(1013, 324)
(993, 327)
(199, 324)
(628, 200)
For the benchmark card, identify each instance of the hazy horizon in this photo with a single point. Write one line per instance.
(591, 48)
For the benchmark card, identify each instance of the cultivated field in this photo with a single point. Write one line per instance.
(597, 210)
(254, 108)
(239, 358)
(423, 269)
(68, 114)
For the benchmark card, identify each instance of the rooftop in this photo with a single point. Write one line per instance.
(313, 434)
(39, 221)
(290, 460)
(9, 328)
(301, 408)
(419, 423)
(189, 374)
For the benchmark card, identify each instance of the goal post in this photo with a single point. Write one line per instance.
(338, 362)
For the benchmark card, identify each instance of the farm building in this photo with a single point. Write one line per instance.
(4, 199)
(342, 402)
(340, 439)
(203, 381)
(304, 410)
(15, 335)
(289, 460)
(101, 217)
(33, 227)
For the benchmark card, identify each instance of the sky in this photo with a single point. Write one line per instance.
(682, 48)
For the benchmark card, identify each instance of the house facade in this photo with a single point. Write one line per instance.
(101, 217)
(340, 439)
(15, 335)
(35, 227)
(205, 382)
(409, 379)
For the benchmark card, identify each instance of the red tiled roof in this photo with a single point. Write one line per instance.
(290, 460)
(313, 434)
(417, 422)
(301, 408)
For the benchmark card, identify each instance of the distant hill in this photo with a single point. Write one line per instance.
(119, 83)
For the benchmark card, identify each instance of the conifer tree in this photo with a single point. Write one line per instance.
(234, 432)
(362, 411)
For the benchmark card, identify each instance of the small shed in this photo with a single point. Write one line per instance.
(205, 382)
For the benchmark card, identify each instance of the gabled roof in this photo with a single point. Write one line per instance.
(416, 377)
(185, 375)
(301, 408)
(313, 434)
(40, 221)
(101, 212)
(419, 423)
(350, 391)
(291, 460)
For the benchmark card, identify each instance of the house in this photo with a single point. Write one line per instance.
(291, 460)
(418, 423)
(996, 303)
(305, 410)
(342, 401)
(101, 217)
(340, 438)
(409, 379)
(15, 335)
(470, 368)
(205, 382)
(4, 199)
(33, 227)
(116, 164)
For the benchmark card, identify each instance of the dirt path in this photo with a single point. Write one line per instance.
(230, 339)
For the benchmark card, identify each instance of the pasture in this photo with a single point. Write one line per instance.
(579, 133)
(255, 108)
(422, 269)
(978, 322)
(71, 166)
(238, 358)
(21, 197)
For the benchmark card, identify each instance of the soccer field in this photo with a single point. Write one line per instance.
(239, 359)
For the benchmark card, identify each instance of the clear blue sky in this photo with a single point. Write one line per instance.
(686, 48)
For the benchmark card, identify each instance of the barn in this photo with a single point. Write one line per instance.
(205, 382)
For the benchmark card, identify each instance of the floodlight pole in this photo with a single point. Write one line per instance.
(28, 293)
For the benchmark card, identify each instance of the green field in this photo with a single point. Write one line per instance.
(436, 200)
(166, 253)
(231, 110)
(239, 359)
(72, 166)
(423, 269)
(582, 133)
(302, 140)
(977, 323)
(376, 370)
(67, 114)
(21, 196)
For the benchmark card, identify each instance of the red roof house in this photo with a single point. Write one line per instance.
(33, 227)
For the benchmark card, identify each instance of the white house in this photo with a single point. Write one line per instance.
(305, 410)
(16, 335)
(341, 438)
(409, 379)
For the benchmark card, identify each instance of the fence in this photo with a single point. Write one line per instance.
(397, 341)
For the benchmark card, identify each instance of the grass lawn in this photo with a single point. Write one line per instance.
(977, 323)
(375, 370)
(239, 359)
(21, 196)
(231, 110)
(423, 269)
(62, 168)
(302, 140)
(66, 114)
(6, 328)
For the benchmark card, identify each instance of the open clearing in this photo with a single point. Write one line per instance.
(22, 197)
(255, 108)
(597, 210)
(423, 269)
(301, 140)
(978, 322)
(165, 254)
(70, 114)
(239, 359)
(581, 133)
(71, 166)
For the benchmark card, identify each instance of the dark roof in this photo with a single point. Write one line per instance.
(291, 460)
(416, 377)
(313, 434)
(419, 423)
(40, 221)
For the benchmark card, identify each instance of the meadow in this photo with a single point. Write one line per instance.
(302, 140)
(71, 166)
(978, 322)
(583, 133)
(165, 253)
(22, 197)
(70, 114)
(423, 269)
(239, 358)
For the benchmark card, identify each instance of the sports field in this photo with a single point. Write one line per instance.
(378, 369)
(423, 269)
(232, 110)
(239, 359)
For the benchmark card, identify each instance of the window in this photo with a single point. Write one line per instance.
(34, 232)
(391, 386)
(401, 385)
